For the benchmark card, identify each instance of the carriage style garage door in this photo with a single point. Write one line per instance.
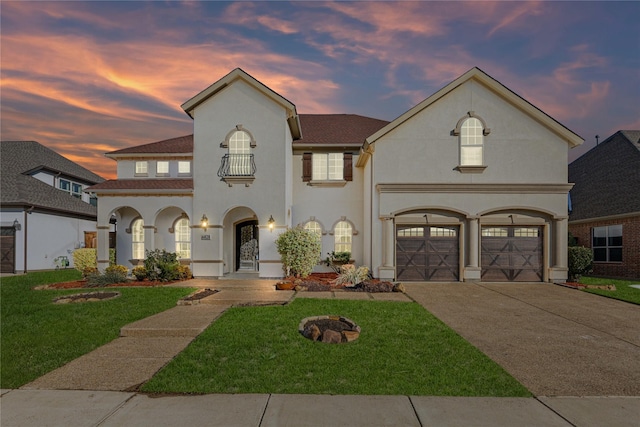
(7, 249)
(511, 254)
(426, 253)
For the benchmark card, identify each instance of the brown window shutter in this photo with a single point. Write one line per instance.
(348, 167)
(306, 167)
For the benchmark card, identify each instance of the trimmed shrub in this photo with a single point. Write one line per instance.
(298, 249)
(140, 272)
(112, 275)
(117, 269)
(85, 258)
(580, 260)
(184, 272)
(162, 265)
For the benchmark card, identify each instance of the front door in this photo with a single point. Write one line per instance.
(247, 245)
(7, 250)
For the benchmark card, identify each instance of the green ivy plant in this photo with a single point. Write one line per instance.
(298, 249)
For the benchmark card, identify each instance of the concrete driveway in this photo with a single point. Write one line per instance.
(554, 340)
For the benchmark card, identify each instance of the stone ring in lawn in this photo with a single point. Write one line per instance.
(329, 329)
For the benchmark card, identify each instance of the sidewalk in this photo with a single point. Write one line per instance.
(97, 389)
(107, 408)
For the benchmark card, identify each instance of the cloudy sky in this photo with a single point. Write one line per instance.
(89, 77)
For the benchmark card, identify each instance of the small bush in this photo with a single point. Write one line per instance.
(352, 275)
(85, 258)
(140, 272)
(117, 269)
(88, 271)
(98, 280)
(184, 272)
(298, 249)
(162, 265)
(580, 260)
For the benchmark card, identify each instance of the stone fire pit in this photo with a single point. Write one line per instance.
(329, 329)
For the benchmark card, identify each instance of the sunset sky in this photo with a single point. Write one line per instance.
(84, 78)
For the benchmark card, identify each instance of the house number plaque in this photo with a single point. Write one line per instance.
(205, 237)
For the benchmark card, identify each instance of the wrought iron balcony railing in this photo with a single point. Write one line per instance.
(237, 165)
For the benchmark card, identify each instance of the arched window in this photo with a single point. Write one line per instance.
(471, 142)
(182, 231)
(343, 233)
(316, 228)
(137, 239)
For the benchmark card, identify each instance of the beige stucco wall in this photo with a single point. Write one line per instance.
(269, 194)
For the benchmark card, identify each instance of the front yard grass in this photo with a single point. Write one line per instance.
(623, 290)
(402, 350)
(37, 336)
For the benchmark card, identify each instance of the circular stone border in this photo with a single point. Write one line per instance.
(87, 297)
(352, 334)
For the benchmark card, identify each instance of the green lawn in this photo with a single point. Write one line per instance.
(402, 350)
(37, 336)
(623, 291)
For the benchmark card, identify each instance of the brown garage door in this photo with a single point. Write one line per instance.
(7, 249)
(425, 253)
(511, 254)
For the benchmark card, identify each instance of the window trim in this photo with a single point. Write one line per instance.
(607, 247)
(457, 131)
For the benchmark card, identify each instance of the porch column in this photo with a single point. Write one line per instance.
(102, 243)
(388, 270)
(559, 271)
(473, 271)
(149, 238)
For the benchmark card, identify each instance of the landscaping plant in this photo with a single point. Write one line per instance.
(350, 275)
(580, 260)
(298, 249)
(162, 265)
(112, 275)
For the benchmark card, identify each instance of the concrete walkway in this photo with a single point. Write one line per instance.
(556, 341)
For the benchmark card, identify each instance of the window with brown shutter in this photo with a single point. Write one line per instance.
(348, 167)
(306, 167)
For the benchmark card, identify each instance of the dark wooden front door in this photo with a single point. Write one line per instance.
(511, 254)
(427, 253)
(7, 249)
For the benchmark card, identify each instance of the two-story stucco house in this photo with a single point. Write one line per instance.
(470, 184)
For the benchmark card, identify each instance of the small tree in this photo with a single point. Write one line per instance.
(298, 249)
(580, 260)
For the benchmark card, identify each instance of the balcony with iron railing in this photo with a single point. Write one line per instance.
(237, 169)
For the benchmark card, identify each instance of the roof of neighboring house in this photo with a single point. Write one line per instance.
(19, 159)
(607, 178)
(178, 145)
(145, 185)
(337, 129)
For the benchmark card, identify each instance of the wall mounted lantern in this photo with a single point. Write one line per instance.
(204, 222)
(271, 222)
(16, 224)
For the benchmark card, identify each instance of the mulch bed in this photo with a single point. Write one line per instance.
(83, 284)
(323, 282)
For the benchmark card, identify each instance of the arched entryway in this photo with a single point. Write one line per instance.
(246, 245)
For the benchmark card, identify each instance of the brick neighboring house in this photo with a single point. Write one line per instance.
(606, 204)
(44, 211)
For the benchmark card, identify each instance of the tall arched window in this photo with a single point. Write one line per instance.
(471, 142)
(343, 233)
(182, 232)
(137, 239)
(316, 228)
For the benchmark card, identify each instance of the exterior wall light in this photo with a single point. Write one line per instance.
(204, 222)
(271, 222)
(16, 224)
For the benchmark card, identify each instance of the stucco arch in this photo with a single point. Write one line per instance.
(521, 210)
(445, 210)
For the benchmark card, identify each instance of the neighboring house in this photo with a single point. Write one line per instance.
(605, 202)
(470, 184)
(44, 211)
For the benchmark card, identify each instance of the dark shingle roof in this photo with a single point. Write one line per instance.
(607, 178)
(17, 188)
(342, 129)
(144, 184)
(181, 144)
